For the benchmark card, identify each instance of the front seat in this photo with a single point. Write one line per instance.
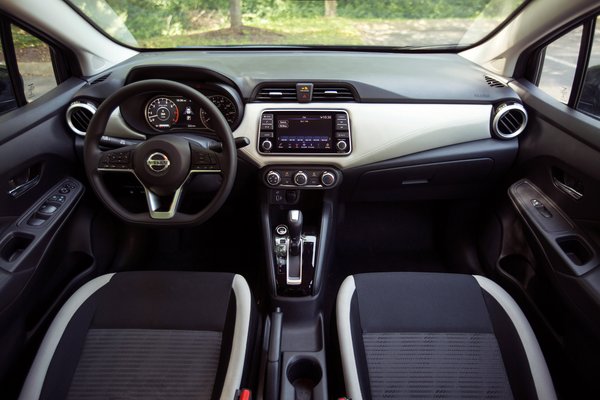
(425, 335)
(148, 335)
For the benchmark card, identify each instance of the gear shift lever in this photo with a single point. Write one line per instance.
(295, 226)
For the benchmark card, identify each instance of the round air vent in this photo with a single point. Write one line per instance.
(509, 120)
(79, 115)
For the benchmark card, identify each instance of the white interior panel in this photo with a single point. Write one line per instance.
(380, 131)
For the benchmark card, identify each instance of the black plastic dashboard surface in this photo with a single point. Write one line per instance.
(377, 77)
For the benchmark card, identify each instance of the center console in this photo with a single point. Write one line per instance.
(298, 216)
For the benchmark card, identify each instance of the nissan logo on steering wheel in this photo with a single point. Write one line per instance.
(158, 162)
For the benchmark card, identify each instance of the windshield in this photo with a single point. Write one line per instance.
(202, 23)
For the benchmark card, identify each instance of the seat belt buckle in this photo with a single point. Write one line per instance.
(243, 394)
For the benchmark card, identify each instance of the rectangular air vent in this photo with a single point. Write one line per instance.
(493, 82)
(100, 79)
(332, 93)
(277, 94)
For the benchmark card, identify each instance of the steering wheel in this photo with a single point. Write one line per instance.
(162, 164)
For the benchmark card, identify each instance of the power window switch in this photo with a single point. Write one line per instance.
(47, 208)
(34, 221)
(541, 208)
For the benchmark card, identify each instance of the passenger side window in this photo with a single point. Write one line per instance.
(589, 101)
(571, 68)
(560, 65)
(7, 96)
(35, 64)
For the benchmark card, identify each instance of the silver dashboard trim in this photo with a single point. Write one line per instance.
(117, 127)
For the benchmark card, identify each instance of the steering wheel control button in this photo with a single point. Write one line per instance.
(64, 190)
(203, 161)
(273, 178)
(327, 179)
(158, 162)
(300, 178)
(116, 160)
(281, 230)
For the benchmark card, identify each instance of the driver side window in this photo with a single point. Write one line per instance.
(7, 97)
(589, 101)
(26, 68)
(34, 60)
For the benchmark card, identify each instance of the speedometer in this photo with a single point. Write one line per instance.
(162, 113)
(225, 105)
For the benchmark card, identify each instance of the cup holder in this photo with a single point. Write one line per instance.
(14, 246)
(304, 374)
(575, 249)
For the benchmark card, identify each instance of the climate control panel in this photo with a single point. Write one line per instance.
(301, 177)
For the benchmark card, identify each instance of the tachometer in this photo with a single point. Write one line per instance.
(225, 105)
(162, 113)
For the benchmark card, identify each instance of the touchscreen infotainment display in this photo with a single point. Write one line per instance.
(304, 132)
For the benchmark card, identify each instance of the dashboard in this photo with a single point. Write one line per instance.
(399, 121)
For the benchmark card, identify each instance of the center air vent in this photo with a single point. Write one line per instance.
(332, 93)
(509, 120)
(277, 94)
(322, 92)
(79, 115)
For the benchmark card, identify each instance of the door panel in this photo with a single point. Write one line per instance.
(555, 211)
(37, 154)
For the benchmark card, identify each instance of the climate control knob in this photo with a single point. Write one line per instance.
(273, 178)
(300, 178)
(341, 145)
(266, 145)
(327, 179)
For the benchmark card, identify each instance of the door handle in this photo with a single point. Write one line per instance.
(567, 184)
(22, 183)
(563, 187)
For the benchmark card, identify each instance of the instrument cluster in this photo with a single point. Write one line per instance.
(173, 112)
(165, 112)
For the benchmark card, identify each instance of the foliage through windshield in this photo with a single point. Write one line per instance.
(199, 23)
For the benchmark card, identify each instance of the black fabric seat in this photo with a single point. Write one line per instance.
(148, 335)
(421, 335)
